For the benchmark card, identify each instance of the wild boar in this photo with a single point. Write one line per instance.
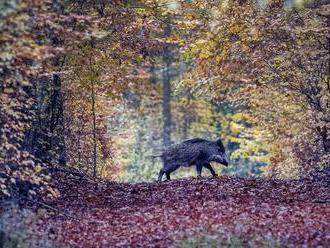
(198, 152)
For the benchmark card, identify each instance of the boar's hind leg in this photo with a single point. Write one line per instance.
(160, 175)
(169, 171)
(207, 165)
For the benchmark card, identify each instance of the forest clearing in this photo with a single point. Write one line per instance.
(164, 123)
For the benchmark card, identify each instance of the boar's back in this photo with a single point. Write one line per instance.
(183, 154)
(195, 140)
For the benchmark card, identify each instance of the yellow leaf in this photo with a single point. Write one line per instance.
(38, 169)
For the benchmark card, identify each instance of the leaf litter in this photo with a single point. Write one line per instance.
(110, 214)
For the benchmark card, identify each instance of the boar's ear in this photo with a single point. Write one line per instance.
(220, 144)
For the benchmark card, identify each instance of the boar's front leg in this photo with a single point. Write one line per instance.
(199, 167)
(207, 165)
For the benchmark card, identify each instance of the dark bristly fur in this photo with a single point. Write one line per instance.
(198, 152)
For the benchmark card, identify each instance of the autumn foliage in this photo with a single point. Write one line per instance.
(259, 58)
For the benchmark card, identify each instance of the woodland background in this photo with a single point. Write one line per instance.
(101, 86)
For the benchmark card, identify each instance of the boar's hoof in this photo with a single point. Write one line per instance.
(215, 175)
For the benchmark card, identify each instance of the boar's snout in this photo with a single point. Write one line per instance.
(223, 159)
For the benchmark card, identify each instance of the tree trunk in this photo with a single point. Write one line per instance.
(186, 121)
(57, 119)
(45, 138)
(167, 116)
(325, 140)
(325, 131)
(94, 120)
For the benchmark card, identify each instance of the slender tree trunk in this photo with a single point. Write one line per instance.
(94, 119)
(167, 116)
(186, 121)
(94, 132)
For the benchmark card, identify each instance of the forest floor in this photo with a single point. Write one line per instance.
(213, 211)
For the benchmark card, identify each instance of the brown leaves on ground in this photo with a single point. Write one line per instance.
(296, 213)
